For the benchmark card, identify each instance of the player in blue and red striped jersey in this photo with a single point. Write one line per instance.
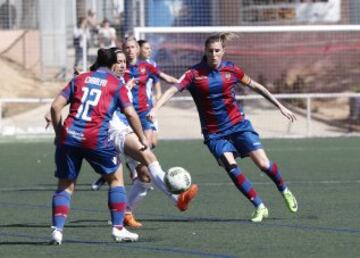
(93, 98)
(145, 54)
(143, 71)
(226, 131)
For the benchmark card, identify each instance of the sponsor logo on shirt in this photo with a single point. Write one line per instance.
(75, 134)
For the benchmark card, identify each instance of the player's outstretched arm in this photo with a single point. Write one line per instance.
(168, 78)
(257, 87)
(162, 101)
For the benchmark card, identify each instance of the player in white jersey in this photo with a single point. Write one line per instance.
(127, 143)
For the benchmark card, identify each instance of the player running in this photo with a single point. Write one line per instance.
(227, 133)
(93, 98)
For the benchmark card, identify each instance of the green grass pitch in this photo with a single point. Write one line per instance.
(324, 174)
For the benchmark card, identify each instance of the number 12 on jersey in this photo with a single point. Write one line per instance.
(89, 99)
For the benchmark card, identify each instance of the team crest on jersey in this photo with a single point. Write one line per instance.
(142, 70)
(227, 76)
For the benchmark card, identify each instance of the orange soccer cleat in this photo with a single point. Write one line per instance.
(186, 197)
(130, 221)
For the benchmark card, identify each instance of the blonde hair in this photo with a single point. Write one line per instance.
(131, 38)
(221, 37)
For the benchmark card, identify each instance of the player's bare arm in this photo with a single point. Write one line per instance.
(162, 101)
(56, 107)
(257, 87)
(168, 78)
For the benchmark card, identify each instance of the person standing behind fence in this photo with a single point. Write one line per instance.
(93, 98)
(81, 35)
(94, 27)
(227, 133)
(107, 35)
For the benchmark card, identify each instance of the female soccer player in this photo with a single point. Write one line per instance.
(126, 142)
(143, 71)
(93, 98)
(145, 54)
(226, 131)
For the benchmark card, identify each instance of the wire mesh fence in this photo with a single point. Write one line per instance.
(48, 38)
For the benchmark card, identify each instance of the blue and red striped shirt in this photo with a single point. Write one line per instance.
(214, 95)
(93, 98)
(142, 71)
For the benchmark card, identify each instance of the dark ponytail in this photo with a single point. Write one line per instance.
(105, 58)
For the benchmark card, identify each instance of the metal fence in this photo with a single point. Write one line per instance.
(318, 115)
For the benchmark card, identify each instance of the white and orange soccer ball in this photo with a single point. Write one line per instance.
(177, 180)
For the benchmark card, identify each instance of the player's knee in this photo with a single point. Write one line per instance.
(66, 185)
(149, 157)
(144, 178)
(263, 165)
(224, 162)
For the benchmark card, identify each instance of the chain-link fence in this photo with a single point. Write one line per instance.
(46, 36)
(50, 37)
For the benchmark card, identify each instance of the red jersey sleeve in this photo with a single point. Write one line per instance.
(68, 91)
(153, 69)
(154, 72)
(124, 98)
(238, 72)
(185, 80)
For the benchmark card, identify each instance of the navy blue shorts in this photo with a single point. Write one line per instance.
(240, 142)
(68, 161)
(146, 123)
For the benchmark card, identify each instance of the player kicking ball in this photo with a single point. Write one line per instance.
(123, 137)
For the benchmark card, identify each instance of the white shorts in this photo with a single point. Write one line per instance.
(117, 132)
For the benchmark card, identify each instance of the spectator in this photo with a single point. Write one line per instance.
(80, 31)
(93, 27)
(107, 35)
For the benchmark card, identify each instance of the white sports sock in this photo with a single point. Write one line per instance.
(132, 164)
(157, 177)
(137, 193)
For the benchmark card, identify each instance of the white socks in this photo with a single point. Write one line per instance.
(157, 177)
(136, 194)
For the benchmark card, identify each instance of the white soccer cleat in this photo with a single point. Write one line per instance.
(56, 237)
(123, 235)
(97, 184)
(259, 214)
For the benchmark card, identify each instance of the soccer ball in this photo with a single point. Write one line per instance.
(177, 180)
